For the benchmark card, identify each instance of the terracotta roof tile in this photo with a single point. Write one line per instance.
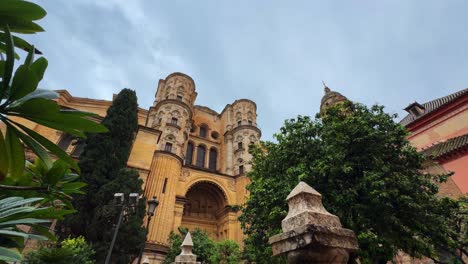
(433, 105)
(447, 147)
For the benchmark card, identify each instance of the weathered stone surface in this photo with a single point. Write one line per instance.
(310, 233)
(305, 207)
(186, 256)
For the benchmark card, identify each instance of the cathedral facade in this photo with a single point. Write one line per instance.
(191, 158)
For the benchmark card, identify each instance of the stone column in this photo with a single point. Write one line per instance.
(229, 153)
(310, 233)
(186, 256)
(178, 212)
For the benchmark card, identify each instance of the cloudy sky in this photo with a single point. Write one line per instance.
(274, 52)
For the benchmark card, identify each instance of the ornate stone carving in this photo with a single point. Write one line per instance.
(184, 175)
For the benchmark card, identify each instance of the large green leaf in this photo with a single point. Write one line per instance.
(44, 231)
(20, 25)
(3, 49)
(15, 152)
(3, 157)
(10, 255)
(34, 146)
(30, 58)
(17, 210)
(58, 170)
(38, 93)
(21, 43)
(11, 202)
(21, 234)
(50, 146)
(39, 67)
(24, 221)
(50, 213)
(9, 63)
(24, 82)
(23, 9)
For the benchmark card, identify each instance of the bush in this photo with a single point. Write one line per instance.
(71, 251)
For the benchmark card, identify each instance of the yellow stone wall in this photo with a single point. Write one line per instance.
(164, 171)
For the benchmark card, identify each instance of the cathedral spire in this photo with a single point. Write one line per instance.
(325, 88)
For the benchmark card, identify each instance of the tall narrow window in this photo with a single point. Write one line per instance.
(203, 131)
(189, 154)
(213, 159)
(239, 145)
(65, 141)
(241, 169)
(201, 151)
(164, 185)
(174, 121)
(168, 147)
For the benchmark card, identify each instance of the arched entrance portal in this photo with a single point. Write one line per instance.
(207, 208)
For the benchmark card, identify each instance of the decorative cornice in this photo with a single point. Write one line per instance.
(237, 128)
(170, 154)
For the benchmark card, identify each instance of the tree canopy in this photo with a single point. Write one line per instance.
(370, 176)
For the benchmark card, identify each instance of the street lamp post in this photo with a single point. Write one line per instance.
(119, 200)
(152, 204)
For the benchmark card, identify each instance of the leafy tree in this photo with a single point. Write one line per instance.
(70, 251)
(370, 176)
(203, 246)
(226, 252)
(101, 163)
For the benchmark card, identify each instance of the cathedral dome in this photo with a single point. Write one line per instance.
(331, 98)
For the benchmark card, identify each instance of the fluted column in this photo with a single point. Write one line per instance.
(165, 167)
(229, 152)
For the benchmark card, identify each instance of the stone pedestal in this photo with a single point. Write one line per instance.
(186, 256)
(310, 233)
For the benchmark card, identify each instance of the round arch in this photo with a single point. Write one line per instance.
(206, 208)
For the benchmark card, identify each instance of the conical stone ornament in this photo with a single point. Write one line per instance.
(310, 233)
(305, 207)
(186, 256)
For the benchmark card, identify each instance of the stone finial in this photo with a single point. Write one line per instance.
(186, 256)
(305, 207)
(310, 233)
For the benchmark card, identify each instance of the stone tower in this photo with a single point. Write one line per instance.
(241, 130)
(331, 98)
(171, 114)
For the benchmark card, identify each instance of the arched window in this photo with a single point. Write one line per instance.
(189, 154)
(201, 151)
(213, 159)
(65, 141)
(203, 130)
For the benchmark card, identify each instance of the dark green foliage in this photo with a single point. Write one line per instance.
(70, 251)
(226, 252)
(103, 164)
(369, 175)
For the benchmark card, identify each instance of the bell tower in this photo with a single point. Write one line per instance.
(171, 113)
